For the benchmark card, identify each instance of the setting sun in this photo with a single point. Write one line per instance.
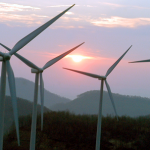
(78, 58)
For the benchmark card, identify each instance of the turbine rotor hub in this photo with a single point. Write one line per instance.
(6, 56)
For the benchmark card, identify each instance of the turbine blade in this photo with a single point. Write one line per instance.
(34, 114)
(87, 74)
(42, 98)
(2, 102)
(36, 32)
(115, 64)
(12, 88)
(148, 60)
(51, 62)
(27, 62)
(111, 97)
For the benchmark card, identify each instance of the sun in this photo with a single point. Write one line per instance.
(77, 58)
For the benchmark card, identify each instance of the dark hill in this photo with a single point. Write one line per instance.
(88, 102)
(24, 108)
(25, 90)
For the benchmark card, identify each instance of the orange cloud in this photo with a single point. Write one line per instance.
(26, 19)
(47, 54)
(65, 27)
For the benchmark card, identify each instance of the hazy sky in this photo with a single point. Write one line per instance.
(108, 28)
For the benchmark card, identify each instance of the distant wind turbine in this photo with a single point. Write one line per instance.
(102, 78)
(147, 60)
(38, 71)
(6, 67)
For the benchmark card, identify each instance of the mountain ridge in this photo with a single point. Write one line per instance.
(88, 102)
(25, 90)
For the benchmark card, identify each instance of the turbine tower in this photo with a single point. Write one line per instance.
(6, 67)
(38, 71)
(102, 78)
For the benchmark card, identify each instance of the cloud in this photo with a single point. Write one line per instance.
(91, 56)
(75, 22)
(138, 7)
(120, 22)
(61, 45)
(53, 55)
(33, 19)
(69, 13)
(65, 27)
(80, 27)
(118, 5)
(90, 6)
(59, 6)
(6, 7)
(26, 19)
(112, 4)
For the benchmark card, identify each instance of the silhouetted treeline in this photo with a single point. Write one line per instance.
(65, 131)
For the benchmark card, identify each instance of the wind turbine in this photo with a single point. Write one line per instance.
(6, 67)
(102, 78)
(38, 71)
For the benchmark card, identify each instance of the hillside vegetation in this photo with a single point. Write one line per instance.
(65, 131)
(24, 108)
(88, 103)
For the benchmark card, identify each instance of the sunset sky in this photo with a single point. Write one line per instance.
(108, 29)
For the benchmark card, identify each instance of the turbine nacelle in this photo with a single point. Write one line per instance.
(102, 78)
(36, 71)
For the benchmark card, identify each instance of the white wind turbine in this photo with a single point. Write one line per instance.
(38, 71)
(6, 67)
(102, 78)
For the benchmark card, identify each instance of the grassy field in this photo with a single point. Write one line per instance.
(66, 131)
